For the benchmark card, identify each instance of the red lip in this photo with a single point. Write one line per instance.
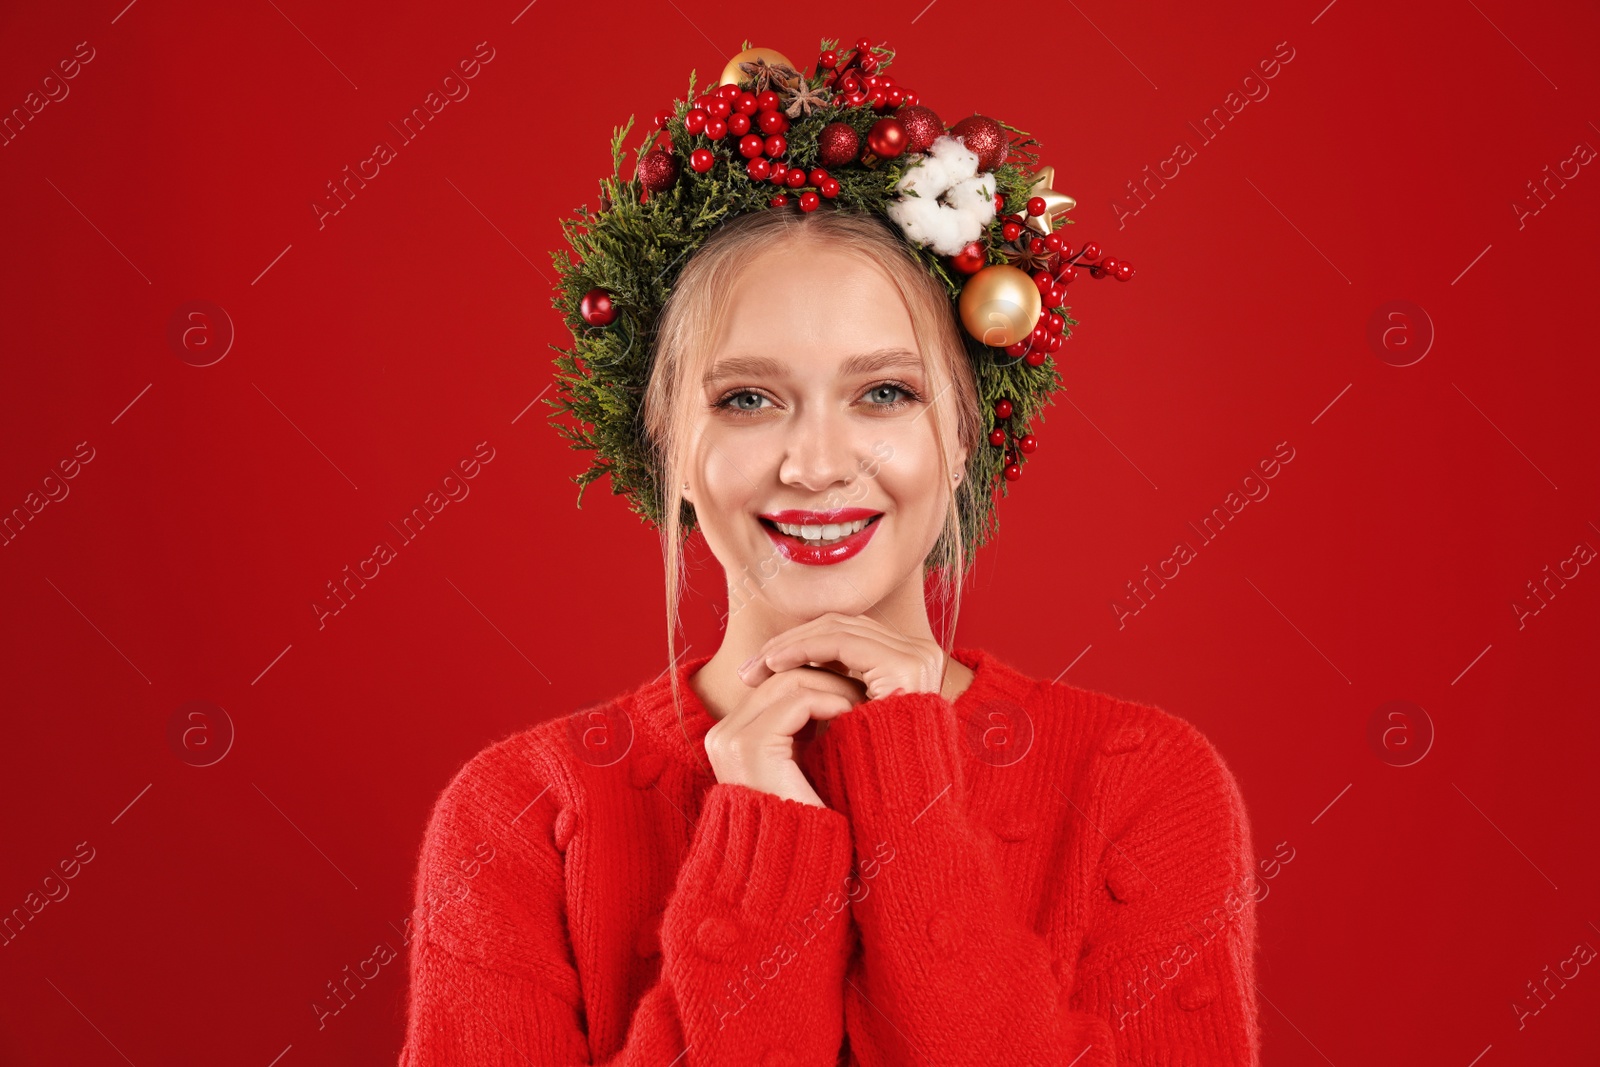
(796, 551)
(820, 518)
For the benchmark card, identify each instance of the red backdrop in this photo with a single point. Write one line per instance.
(1442, 458)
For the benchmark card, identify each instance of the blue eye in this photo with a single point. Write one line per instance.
(728, 401)
(901, 396)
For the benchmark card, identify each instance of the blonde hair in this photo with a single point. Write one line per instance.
(689, 325)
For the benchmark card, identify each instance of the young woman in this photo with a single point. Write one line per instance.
(836, 839)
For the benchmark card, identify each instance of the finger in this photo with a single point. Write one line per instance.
(858, 652)
(830, 623)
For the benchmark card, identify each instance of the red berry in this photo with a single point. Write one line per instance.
(997, 437)
(1091, 251)
(1018, 349)
(701, 159)
(809, 201)
(1124, 271)
(738, 124)
(728, 92)
(1058, 295)
(751, 146)
(662, 118)
(1055, 323)
(1055, 343)
(1011, 231)
(716, 129)
(780, 174)
(1029, 443)
(795, 178)
(758, 169)
(745, 103)
(1013, 472)
(1036, 246)
(1002, 409)
(1109, 265)
(719, 108)
(772, 121)
(828, 60)
(909, 100)
(830, 189)
(864, 45)
(817, 176)
(1038, 337)
(1053, 241)
(768, 101)
(1043, 280)
(780, 200)
(1036, 357)
(868, 64)
(1036, 205)
(777, 145)
(1067, 273)
(695, 120)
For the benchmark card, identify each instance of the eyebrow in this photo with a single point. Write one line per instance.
(864, 363)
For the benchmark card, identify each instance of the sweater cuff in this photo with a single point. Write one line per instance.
(900, 755)
(767, 859)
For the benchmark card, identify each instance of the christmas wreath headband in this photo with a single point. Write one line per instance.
(971, 200)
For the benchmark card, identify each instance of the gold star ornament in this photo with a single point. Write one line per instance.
(1055, 204)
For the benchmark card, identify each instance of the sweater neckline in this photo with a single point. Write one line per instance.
(654, 712)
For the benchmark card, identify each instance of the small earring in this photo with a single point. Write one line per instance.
(685, 487)
(956, 476)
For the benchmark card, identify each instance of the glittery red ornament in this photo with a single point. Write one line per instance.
(838, 144)
(658, 170)
(984, 136)
(923, 127)
(596, 308)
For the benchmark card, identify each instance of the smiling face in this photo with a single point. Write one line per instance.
(813, 414)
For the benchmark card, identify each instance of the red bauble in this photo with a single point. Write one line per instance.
(886, 140)
(838, 144)
(1029, 443)
(997, 437)
(751, 146)
(1002, 408)
(984, 136)
(809, 201)
(971, 259)
(658, 170)
(830, 189)
(1036, 357)
(701, 160)
(596, 308)
(923, 127)
(1013, 472)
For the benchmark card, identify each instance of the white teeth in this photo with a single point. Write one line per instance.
(823, 534)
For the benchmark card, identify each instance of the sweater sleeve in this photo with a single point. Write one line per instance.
(1170, 938)
(492, 973)
(947, 973)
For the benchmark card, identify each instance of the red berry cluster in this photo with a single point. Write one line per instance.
(855, 78)
(1060, 266)
(997, 437)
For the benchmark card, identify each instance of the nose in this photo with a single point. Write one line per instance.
(821, 453)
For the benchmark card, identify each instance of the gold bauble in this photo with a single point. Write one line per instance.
(1000, 305)
(732, 75)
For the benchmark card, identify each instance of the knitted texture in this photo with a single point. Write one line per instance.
(1031, 874)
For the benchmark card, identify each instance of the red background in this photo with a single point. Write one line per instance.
(375, 352)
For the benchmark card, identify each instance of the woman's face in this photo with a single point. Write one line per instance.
(817, 414)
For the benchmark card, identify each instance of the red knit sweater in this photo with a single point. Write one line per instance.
(1032, 874)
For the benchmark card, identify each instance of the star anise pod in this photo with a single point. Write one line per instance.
(1024, 258)
(765, 73)
(802, 97)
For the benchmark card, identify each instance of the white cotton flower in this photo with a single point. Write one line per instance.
(954, 201)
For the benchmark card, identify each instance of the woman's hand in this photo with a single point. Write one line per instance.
(883, 660)
(753, 745)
